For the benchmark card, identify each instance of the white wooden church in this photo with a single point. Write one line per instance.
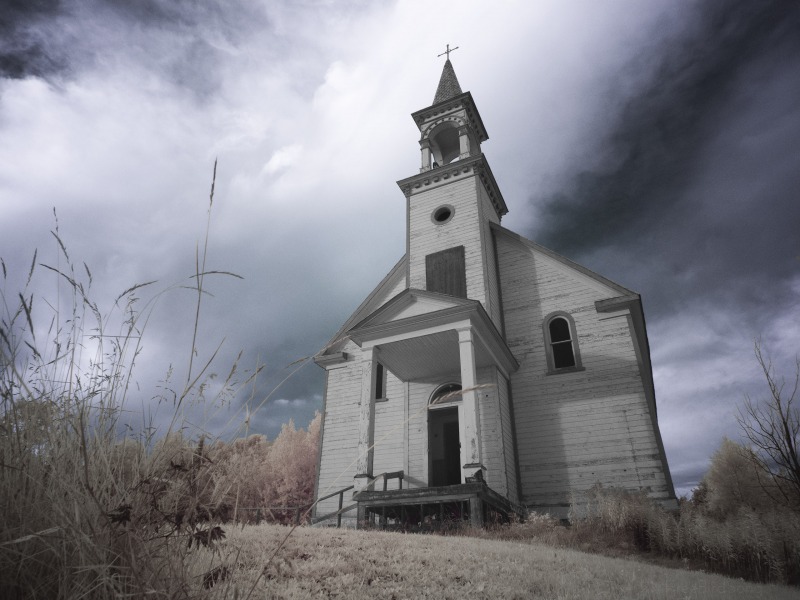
(485, 375)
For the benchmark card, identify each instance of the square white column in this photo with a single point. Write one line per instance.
(425, 147)
(469, 419)
(366, 421)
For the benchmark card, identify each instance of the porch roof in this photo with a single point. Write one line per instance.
(416, 334)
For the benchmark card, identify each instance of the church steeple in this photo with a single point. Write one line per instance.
(451, 127)
(448, 84)
(453, 201)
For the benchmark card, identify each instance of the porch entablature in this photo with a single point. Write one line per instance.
(417, 345)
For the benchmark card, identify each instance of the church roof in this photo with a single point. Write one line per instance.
(448, 84)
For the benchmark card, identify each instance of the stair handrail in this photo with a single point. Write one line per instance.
(339, 512)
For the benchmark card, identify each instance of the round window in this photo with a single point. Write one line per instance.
(443, 214)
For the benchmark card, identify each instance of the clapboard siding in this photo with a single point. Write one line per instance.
(491, 432)
(340, 439)
(489, 215)
(509, 449)
(464, 229)
(389, 452)
(418, 397)
(574, 428)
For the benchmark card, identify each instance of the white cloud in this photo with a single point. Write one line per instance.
(283, 158)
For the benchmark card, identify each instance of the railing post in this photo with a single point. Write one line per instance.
(339, 514)
(297, 515)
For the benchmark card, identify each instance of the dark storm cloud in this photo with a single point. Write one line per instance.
(667, 195)
(25, 39)
(179, 39)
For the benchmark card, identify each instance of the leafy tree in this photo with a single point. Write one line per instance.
(255, 476)
(734, 480)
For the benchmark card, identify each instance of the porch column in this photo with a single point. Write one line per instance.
(425, 146)
(463, 142)
(471, 432)
(366, 421)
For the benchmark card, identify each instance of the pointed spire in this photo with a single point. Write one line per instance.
(448, 84)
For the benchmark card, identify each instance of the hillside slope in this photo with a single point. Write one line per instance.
(331, 563)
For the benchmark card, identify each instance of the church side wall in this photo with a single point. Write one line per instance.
(389, 454)
(491, 431)
(574, 429)
(398, 287)
(509, 450)
(489, 215)
(340, 442)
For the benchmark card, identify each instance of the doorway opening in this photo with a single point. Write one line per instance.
(444, 448)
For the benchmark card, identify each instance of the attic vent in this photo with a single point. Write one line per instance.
(445, 272)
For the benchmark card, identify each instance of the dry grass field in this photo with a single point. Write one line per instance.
(331, 563)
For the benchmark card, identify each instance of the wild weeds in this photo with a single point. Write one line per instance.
(762, 546)
(85, 510)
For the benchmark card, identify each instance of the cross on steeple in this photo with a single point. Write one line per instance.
(448, 51)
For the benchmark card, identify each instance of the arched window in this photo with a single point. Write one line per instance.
(445, 394)
(562, 343)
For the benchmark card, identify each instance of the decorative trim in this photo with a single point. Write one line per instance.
(483, 327)
(450, 403)
(477, 165)
(615, 304)
(434, 125)
(326, 360)
(463, 102)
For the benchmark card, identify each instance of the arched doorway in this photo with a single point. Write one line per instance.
(444, 447)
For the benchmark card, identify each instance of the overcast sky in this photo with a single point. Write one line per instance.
(657, 143)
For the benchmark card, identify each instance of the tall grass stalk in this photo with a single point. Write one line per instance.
(86, 510)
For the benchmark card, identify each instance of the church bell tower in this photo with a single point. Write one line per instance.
(452, 201)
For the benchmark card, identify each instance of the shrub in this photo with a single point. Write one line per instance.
(735, 481)
(760, 545)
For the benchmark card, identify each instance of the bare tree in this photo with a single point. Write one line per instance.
(772, 426)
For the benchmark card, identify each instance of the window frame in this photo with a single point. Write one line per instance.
(442, 390)
(380, 382)
(576, 352)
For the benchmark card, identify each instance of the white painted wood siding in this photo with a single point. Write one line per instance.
(340, 431)
(464, 229)
(509, 449)
(390, 428)
(418, 396)
(491, 431)
(489, 215)
(574, 429)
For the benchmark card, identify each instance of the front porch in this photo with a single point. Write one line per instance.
(424, 338)
(434, 508)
